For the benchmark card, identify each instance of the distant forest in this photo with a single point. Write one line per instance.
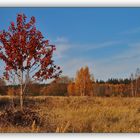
(115, 81)
(83, 84)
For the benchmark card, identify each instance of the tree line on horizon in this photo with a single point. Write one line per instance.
(83, 84)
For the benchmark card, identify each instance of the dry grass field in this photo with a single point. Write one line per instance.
(78, 114)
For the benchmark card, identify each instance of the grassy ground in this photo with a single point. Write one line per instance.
(81, 114)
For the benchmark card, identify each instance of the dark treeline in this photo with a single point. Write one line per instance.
(115, 81)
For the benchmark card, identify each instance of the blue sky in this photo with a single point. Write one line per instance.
(105, 39)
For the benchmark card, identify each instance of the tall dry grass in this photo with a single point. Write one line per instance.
(82, 114)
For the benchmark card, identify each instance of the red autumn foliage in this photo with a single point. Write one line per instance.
(24, 48)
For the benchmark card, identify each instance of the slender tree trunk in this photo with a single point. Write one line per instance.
(21, 92)
(132, 89)
(21, 97)
(132, 85)
(136, 88)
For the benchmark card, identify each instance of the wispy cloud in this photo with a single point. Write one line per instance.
(64, 46)
(121, 64)
(100, 69)
(103, 44)
(132, 52)
(93, 46)
(61, 49)
(61, 40)
(131, 31)
(72, 65)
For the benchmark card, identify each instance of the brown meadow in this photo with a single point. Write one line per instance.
(78, 114)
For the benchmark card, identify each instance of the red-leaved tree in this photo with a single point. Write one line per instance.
(26, 54)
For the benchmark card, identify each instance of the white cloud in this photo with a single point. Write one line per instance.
(132, 52)
(93, 46)
(103, 45)
(122, 64)
(61, 49)
(118, 65)
(101, 69)
(131, 31)
(63, 46)
(61, 40)
(70, 66)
